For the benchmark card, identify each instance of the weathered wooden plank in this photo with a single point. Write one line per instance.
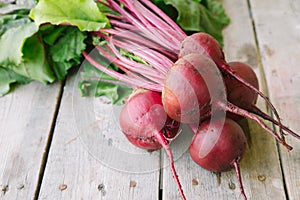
(260, 167)
(26, 117)
(278, 29)
(90, 155)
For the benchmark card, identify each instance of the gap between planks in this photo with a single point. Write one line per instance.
(266, 91)
(49, 141)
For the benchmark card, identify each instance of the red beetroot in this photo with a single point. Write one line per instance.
(142, 117)
(146, 125)
(244, 97)
(216, 146)
(191, 83)
(192, 88)
(140, 25)
(219, 146)
(205, 44)
(239, 94)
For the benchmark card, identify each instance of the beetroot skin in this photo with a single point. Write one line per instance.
(218, 151)
(189, 86)
(143, 117)
(237, 93)
(146, 125)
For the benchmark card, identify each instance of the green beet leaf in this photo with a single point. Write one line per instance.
(200, 16)
(67, 51)
(81, 13)
(11, 21)
(92, 83)
(9, 77)
(12, 42)
(34, 63)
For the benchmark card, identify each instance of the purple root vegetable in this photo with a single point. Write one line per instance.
(142, 29)
(146, 125)
(238, 93)
(218, 146)
(192, 88)
(205, 44)
(244, 97)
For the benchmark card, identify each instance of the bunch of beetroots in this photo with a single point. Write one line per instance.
(185, 79)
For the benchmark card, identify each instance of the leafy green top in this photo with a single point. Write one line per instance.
(81, 13)
(43, 41)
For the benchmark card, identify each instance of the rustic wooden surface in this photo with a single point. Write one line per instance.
(56, 145)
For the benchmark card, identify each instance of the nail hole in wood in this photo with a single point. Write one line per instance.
(62, 187)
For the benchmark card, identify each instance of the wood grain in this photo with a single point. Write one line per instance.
(260, 166)
(26, 117)
(89, 158)
(90, 155)
(278, 30)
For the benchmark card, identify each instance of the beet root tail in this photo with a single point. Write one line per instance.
(161, 139)
(239, 111)
(226, 69)
(257, 111)
(239, 177)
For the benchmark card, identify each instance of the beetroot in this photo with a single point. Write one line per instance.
(244, 97)
(142, 117)
(143, 30)
(205, 44)
(190, 85)
(146, 125)
(202, 43)
(219, 146)
(216, 146)
(192, 88)
(237, 93)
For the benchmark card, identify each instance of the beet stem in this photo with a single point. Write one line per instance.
(239, 177)
(165, 17)
(161, 139)
(239, 111)
(172, 36)
(147, 71)
(122, 77)
(227, 69)
(254, 109)
(144, 18)
(156, 59)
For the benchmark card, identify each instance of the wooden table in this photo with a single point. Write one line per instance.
(46, 151)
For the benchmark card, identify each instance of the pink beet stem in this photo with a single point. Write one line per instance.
(254, 109)
(227, 106)
(157, 60)
(122, 77)
(239, 177)
(161, 139)
(136, 8)
(131, 18)
(165, 17)
(134, 16)
(169, 32)
(132, 66)
(120, 24)
(135, 37)
(227, 69)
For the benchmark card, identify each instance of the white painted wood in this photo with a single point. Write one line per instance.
(25, 122)
(261, 158)
(90, 155)
(278, 29)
